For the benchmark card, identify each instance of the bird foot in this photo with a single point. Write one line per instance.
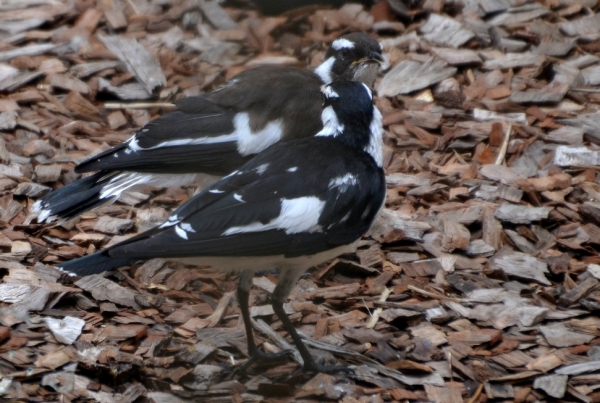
(259, 356)
(314, 368)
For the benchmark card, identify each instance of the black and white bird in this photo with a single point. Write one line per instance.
(210, 135)
(293, 206)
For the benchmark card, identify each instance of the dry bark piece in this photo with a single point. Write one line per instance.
(133, 91)
(574, 156)
(553, 385)
(31, 189)
(559, 335)
(457, 57)
(48, 173)
(456, 236)
(441, 165)
(113, 225)
(545, 363)
(523, 266)
(576, 369)
(69, 83)
(81, 107)
(518, 214)
(408, 76)
(138, 60)
(578, 292)
(106, 290)
(67, 330)
(443, 31)
(53, 360)
(442, 394)
(392, 226)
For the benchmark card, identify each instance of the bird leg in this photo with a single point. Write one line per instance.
(254, 354)
(285, 284)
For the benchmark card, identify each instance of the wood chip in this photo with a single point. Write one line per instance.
(67, 330)
(409, 76)
(553, 385)
(138, 60)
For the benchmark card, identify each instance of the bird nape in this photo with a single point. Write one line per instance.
(212, 134)
(295, 205)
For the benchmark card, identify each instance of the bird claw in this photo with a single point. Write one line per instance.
(315, 369)
(259, 356)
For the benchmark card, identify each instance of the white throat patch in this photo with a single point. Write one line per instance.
(331, 124)
(324, 70)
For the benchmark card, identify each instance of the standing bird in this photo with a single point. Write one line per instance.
(293, 206)
(213, 134)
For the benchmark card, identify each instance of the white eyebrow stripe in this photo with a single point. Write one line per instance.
(342, 43)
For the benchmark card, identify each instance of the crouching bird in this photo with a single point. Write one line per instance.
(293, 206)
(212, 134)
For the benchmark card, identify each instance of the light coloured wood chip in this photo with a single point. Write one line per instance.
(553, 385)
(408, 76)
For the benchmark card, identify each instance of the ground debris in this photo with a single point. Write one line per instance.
(478, 281)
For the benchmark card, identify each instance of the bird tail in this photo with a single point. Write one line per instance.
(75, 198)
(93, 264)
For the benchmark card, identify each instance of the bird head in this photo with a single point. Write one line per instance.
(354, 57)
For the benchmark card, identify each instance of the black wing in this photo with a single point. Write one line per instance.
(252, 199)
(201, 136)
(182, 141)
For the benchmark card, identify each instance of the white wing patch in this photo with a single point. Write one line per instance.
(132, 144)
(324, 70)
(343, 182)
(216, 191)
(188, 142)
(238, 197)
(342, 43)
(250, 142)
(181, 232)
(128, 180)
(262, 169)
(296, 215)
(187, 227)
(292, 169)
(172, 220)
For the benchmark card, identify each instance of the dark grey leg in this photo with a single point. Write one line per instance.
(243, 295)
(287, 281)
(254, 354)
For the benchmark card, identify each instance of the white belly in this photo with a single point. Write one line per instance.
(267, 262)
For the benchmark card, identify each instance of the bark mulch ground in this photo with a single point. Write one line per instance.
(480, 280)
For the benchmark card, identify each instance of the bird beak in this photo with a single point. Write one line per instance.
(374, 57)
